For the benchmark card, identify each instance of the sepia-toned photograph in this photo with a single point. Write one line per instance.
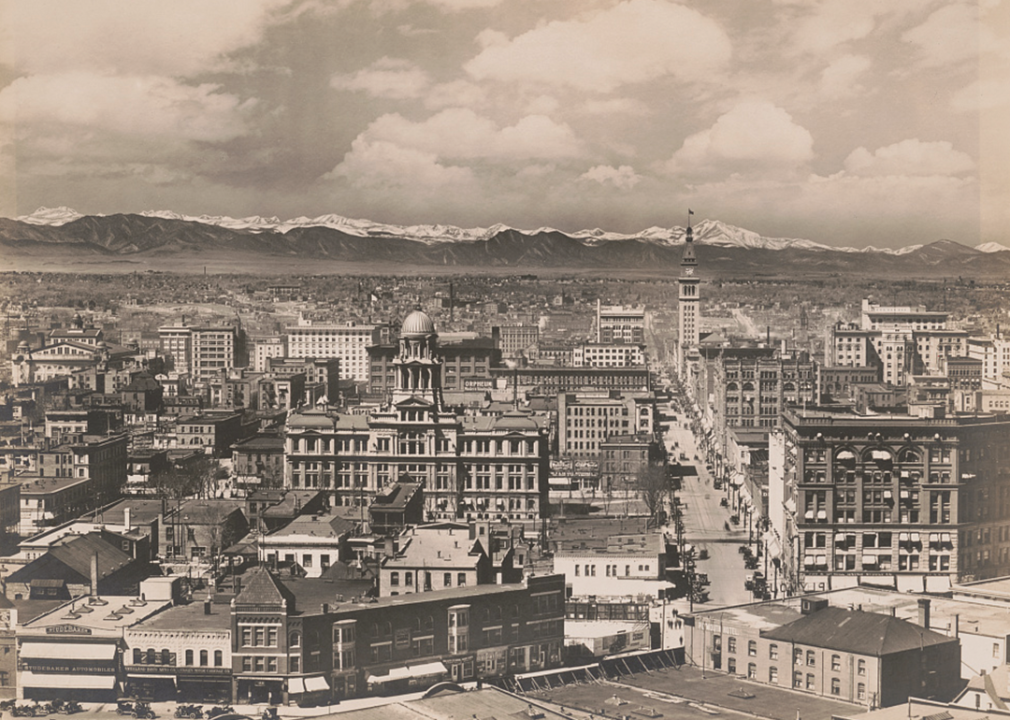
(505, 359)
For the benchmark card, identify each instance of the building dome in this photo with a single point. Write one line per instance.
(417, 323)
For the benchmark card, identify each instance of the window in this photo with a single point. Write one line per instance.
(731, 665)
(447, 579)
(752, 648)
(810, 681)
(166, 657)
(752, 671)
(861, 667)
(836, 663)
(218, 658)
(394, 579)
(811, 658)
(203, 658)
(408, 579)
(731, 644)
(136, 656)
(797, 657)
(189, 657)
(295, 640)
(860, 691)
(836, 686)
(460, 579)
(773, 652)
(773, 675)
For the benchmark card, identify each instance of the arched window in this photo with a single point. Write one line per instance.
(166, 657)
(908, 455)
(189, 657)
(218, 658)
(137, 660)
(732, 387)
(203, 658)
(151, 656)
(748, 387)
(294, 640)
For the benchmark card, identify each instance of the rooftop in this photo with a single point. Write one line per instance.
(190, 616)
(105, 615)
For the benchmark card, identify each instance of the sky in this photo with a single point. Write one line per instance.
(847, 122)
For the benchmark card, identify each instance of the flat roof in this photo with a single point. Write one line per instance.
(189, 617)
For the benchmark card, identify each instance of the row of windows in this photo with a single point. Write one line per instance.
(166, 657)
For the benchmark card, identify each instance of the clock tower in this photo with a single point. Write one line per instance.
(688, 315)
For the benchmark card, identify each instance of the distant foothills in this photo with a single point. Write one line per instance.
(722, 249)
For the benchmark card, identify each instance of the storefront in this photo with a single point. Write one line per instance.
(408, 678)
(306, 691)
(83, 671)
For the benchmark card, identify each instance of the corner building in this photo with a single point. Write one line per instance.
(472, 467)
(913, 503)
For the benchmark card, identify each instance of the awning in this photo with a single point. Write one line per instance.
(410, 671)
(934, 537)
(887, 494)
(845, 455)
(315, 684)
(914, 537)
(68, 651)
(68, 682)
(839, 539)
(869, 559)
(945, 537)
(903, 537)
(296, 685)
(880, 455)
(151, 676)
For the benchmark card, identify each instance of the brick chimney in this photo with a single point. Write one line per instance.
(924, 612)
(94, 574)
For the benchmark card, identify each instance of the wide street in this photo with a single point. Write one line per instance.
(706, 523)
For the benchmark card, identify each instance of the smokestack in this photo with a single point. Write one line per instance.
(452, 303)
(206, 606)
(94, 574)
(127, 525)
(957, 625)
(924, 613)
(768, 335)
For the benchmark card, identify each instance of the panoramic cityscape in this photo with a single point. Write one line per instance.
(473, 360)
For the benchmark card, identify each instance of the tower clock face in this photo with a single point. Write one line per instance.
(689, 271)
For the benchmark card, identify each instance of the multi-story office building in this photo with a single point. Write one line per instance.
(751, 392)
(587, 419)
(994, 352)
(201, 352)
(620, 325)
(901, 341)
(514, 340)
(263, 348)
(349, 342)
(477, 467)
(909, 502)
(595, 355)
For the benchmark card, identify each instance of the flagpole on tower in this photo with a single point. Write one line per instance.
(690, 212)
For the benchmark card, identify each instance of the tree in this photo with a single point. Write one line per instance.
(653, 486)
(195, 477)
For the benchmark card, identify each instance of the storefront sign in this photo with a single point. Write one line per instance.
(67, 629)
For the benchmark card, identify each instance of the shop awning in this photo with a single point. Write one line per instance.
(68, 682)
(68, 651)
(296, 685)
(880, 455)
(315, 684)
(151, 676)
(410, 671)
(845, 455)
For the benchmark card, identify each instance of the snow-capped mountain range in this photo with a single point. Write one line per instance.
(709, 232)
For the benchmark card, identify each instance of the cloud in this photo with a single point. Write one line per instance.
(616, 106)
(949, 35)
(839, 79)
(910, 157)
(753, 135)
(460, 133)
(623, 177)
(144, 37)
(383, 164)
(385, 78)
(833, 23)
(147, 105)
(633, 42)
(457, 93)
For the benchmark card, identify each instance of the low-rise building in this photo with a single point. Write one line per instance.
(435, 557)
(615, 565)
(313, 542)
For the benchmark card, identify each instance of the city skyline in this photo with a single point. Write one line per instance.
(847, 124)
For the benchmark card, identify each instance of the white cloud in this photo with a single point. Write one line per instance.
(910, 157)
(839, 80)
(623, 177)
(383, 164)
(458, 93)
(616, 106)
(633, 42)
(140, 105)
(833, 23)
(753, 135)
(949, 35)
(142, 37)
(387, 77)
(462, 134)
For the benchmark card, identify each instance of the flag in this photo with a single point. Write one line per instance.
(690, 211)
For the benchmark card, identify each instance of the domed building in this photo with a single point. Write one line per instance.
(471, 467)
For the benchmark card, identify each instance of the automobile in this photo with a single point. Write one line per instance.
(703, 554)
(724, 502)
